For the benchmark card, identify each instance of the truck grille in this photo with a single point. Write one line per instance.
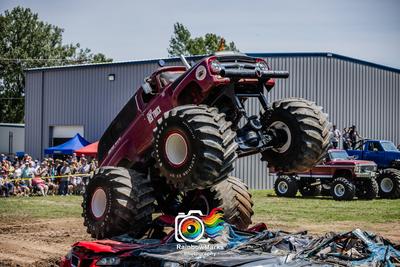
(368, 168)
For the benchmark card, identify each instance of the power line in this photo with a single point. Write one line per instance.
(43, 59)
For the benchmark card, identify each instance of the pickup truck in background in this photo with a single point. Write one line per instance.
(337, 175)
(387, 157)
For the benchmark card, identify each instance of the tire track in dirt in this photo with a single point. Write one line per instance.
(38, 242)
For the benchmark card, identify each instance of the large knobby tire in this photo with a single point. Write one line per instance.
(286, 186)
(343, 189)
(194, 147)
(368, 189)
(306, 188)
(389, 183)
(117, 201)
(304, 132)
(231, 195)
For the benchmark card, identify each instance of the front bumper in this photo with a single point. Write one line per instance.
(368, 174)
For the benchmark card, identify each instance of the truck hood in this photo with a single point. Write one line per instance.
(393, 154)
(106, 246)
(352, 162)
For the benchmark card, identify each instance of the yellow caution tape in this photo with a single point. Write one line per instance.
(52, 177)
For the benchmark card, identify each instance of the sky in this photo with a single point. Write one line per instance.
(133, 30)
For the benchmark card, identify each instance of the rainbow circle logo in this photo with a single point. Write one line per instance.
(191, 229)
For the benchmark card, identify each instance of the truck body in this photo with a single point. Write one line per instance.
(383, 153)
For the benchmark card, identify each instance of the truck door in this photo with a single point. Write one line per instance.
(374, 152)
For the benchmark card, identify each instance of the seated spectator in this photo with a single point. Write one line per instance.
(22, 188)
(39, 184)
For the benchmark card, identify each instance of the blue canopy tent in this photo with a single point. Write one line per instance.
(68, 147)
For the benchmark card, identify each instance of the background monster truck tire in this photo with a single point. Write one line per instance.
(308, 190)
(231, 195)
(286, 186)
(343, 189)
(117, 201)
(368, 189)
(389, 183)
(307, 131)
(194, 146)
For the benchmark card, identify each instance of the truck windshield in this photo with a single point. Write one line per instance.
(340, 154)
(388, 146)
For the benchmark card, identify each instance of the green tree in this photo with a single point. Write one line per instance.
(27, 42)
(182, 43)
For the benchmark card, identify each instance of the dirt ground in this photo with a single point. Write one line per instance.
(43, 242)
(38, 242)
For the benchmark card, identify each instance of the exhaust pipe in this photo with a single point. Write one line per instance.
(184, 61)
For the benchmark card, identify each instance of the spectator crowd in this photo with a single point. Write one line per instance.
(349, 136)
(26, 177)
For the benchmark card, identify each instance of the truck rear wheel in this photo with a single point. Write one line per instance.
(303, 130)
(231, 195)
(117, 201)
(342, 189)
(194, 147)
(389, 183)
(286, 186)
(368, 189)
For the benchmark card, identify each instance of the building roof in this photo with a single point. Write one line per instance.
(16, 125)
(173, 59)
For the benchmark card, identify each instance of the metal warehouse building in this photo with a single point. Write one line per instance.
(61, 101)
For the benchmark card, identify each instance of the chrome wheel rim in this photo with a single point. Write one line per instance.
(176, 149)
(339, 190)
(283, 187)
(99, 203)
(387, 185)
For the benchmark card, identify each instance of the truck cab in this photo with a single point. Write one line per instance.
(384, 153)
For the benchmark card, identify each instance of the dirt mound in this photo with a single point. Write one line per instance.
(38, 242)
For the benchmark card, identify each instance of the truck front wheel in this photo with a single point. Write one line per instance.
(342, 189)
(389, 183)
(301, 135)
(194, 147)
(368, 189)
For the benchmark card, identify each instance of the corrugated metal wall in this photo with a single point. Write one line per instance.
(350, 92)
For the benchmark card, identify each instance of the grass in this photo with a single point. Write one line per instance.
(40, 207)
(267, 207)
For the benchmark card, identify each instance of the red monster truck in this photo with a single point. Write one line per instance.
(338, 175)
(173, 145)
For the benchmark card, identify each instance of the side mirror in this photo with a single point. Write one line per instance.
(375, 149)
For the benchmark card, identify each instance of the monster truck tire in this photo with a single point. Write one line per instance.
(194, 147)
(368, 190)
(117, 201)
(308, 190)
(231, 195)
(305, 130)
(389, 183)
(286, 186)
(342, 189)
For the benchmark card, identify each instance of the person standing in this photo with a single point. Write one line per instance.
(335, 136)
(64, 171)
(353, 135)
(345, 138)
